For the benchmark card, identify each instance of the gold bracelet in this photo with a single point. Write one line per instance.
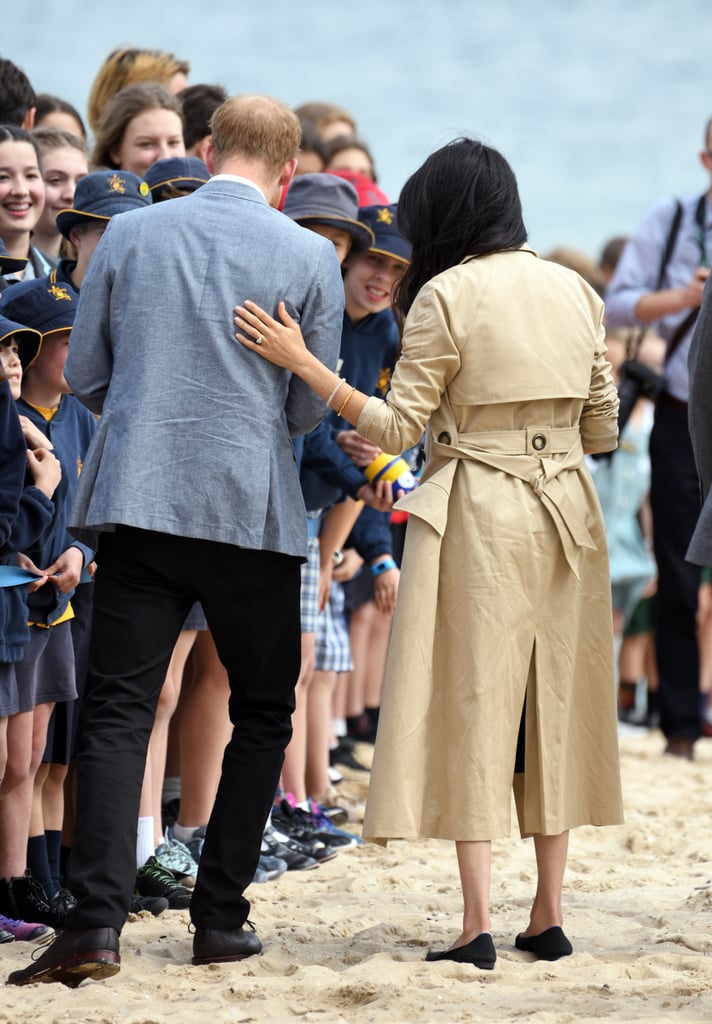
(346, 401)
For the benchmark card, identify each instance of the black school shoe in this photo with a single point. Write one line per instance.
(213, 946)
(73, 956)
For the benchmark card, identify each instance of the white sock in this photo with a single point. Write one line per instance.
(144, 841)
(338, 726)
(184, 832)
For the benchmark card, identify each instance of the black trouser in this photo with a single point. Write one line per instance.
(145, 584)
(675, 503)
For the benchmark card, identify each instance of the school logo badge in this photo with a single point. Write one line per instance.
(59, 293)
(384, 380)
(143, 189)
(117, 184)
(384, 216)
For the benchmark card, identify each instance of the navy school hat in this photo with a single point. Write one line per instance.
(184, 173)
(322, 198)
(10, 264)
(44, 305)
(28, 340)
(103, 194)
(389, 241)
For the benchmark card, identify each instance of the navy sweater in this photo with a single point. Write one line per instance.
(70, 431)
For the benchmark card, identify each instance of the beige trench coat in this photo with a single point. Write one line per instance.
(504, 601)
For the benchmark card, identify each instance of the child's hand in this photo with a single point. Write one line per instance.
(24, 562)
(385, 588)
(45, 469)
(347, 569)
(65, 572)
(361, 451)
(378, 495)
(33, 435)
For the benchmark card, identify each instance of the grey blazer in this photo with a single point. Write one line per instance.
(194, 435)
(700, 414)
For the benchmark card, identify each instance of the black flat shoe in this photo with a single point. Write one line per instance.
(549, 945)
(213, 946)
(73, 956)
(480, 952)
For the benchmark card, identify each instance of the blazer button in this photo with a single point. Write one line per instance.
(444, 438)
(539, 442)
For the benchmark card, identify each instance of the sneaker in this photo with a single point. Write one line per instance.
(269, 868)
(307, 843)
(336, 814)
(6, 937)
(288, 850)
(344, 758)
(194, 845)
(154, 880)
(153, 904)
(175, 857)
(325, 825)
(23, 931)
(293, 819)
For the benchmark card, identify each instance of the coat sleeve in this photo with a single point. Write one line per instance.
(700, 406)
(599, 418)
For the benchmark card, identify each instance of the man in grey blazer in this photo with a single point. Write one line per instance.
(192, 494)
(700, 419)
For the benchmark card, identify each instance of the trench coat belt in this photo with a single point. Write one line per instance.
(525, 454)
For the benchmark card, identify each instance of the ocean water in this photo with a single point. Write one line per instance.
(599, 105)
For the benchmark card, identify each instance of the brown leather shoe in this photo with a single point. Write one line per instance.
(74, 955)
(211, 946)
(683, 748)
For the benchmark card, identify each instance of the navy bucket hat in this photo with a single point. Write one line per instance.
(183, 173)
(28, 340)
(44, 305)
(103, 194)
(10, 264)
(322, 198)
(382, 221)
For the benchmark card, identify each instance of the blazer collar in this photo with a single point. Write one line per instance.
(246, 187)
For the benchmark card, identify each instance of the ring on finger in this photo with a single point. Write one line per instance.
(258, 339)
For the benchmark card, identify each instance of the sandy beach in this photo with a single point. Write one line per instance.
(344, 944)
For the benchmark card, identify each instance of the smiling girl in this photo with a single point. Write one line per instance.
(22, 196)
(64, 164)
(141, 124)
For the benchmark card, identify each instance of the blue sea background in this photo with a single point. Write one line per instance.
(599, 105)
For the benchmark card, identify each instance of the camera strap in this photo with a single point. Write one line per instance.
(682, 328)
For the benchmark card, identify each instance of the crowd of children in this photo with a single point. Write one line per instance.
(150, 133)
(150, 136)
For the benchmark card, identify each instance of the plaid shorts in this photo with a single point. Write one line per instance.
(333, 650)
(309, 594)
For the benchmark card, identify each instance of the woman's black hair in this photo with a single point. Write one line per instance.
(462, 202)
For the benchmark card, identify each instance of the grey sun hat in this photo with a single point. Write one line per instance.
(322, 198)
